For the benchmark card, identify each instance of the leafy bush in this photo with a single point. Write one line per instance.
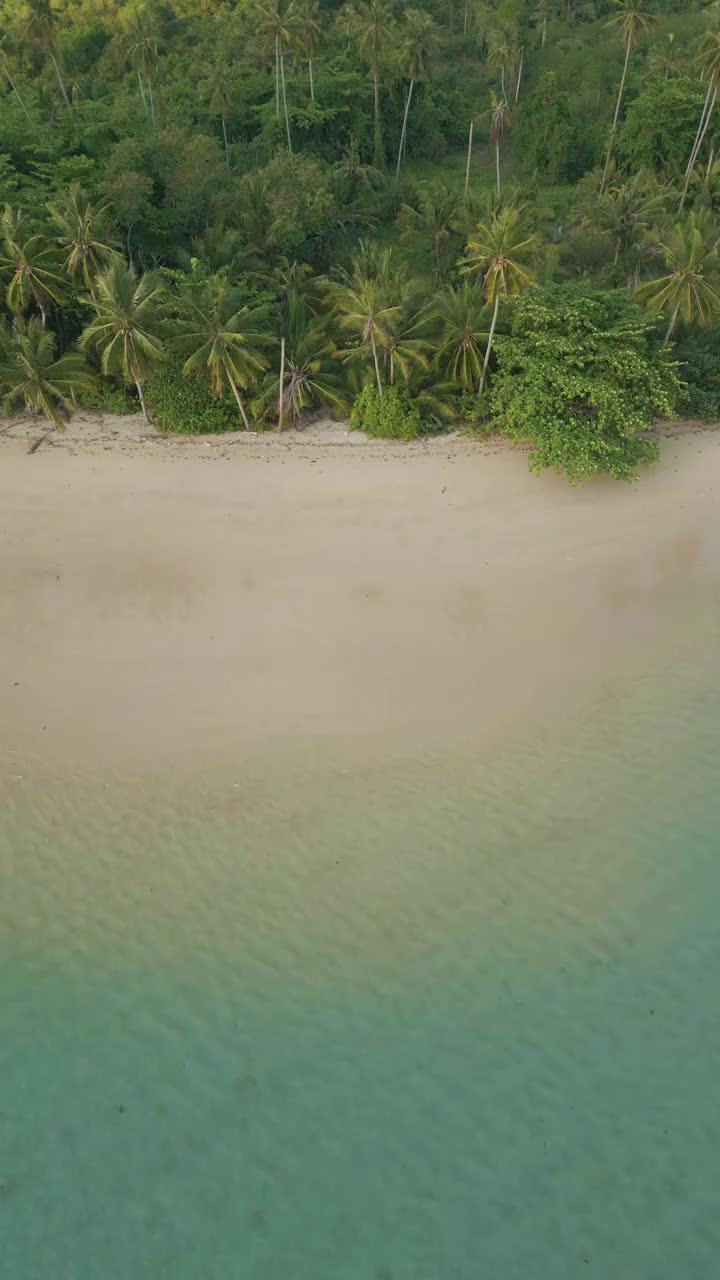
(187, 405)
(388, 417)
(699, 358)
(109, 397)
(581, 376)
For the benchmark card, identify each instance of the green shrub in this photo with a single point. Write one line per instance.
(581, 377)
(699, 357)
(187, 405)
(389, 417)
(109, 397)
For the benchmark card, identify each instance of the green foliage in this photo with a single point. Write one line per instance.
(389, 417)
(699, 359)
(660, 125)
(549, 134)
(580, 378)
(186, 404)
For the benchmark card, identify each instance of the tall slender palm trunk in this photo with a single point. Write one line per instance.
(520, 71)
(312, 83)
(373, 344)
(281, 397)
(488, 349)
(15, 90)
(238, 397)
(61, 82)
(142, 91)
(497, 164)
(225, 140)
(284, 98)
(401, 149)
(141, 396)
(613, 131)
(277, 77)
(469, 156)
(378, 152)
(699, 139)
(671, 326)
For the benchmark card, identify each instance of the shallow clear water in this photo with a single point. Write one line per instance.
(446, 1019)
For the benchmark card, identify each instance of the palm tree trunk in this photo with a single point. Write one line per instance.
(404, 130)
(465, 17)
(544, 34)
(502, 82)
(141, 397)
(520, 71)
(488, 349)
(689, 166)
(469, 156)
(277, 77)
(14, 88)
(497, 164)
(697, 148)
(152, 103)
(312, 86)
(284, 98)
(61, 82)
(225, 140)
(613, 131)
(377, 363)
(671, 326)
(378, 154)
(281, 397)
(142, 92)
(237, 396)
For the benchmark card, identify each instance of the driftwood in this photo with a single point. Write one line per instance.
(34, 447)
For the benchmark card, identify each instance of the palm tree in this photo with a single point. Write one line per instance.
(431, 222)
(373, 33)
(631, 19)
(346, 18)
(500, 251)
(126, 332)
(363, 308)
(691, 288)
(142, 50)
(459, 318)
(309, 373)
(627, 210)
(32, 263)
(89, 249)
(709, 59)
(277, 26)
(663, 59)
(417, 46)
(221, 105)
(309, 34)
(32, 378)
(39, 27)
(500, 119)
(222, 340)
(500, 55)
(6, 71)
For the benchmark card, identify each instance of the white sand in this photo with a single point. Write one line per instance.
(195, 604)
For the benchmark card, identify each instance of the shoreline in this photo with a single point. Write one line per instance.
(328, 606)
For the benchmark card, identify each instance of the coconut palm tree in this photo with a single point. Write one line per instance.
(363, 309)
(32, 378)
(310, 375)
(627, 210)
(346, 18)
(500, 251)
(630, 20)
(31, 262)
(663, 58)
(691, 287)
(709, 60)
(38, 26)
(142, 51)
(221, 339)
(309, 34)
(416, 48)
(431, 222)
(126, 332)
(460, 319)
(84, 238)
(500, 120)
(221, 105)
(372, 31)
(6, 71)
(277, 24)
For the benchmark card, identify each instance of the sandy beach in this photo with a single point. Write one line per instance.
(169, 601)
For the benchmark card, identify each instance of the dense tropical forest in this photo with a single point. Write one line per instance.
(236, 212)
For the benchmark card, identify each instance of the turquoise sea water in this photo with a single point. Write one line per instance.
(449, 1019)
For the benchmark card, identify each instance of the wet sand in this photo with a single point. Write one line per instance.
(169, 603)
